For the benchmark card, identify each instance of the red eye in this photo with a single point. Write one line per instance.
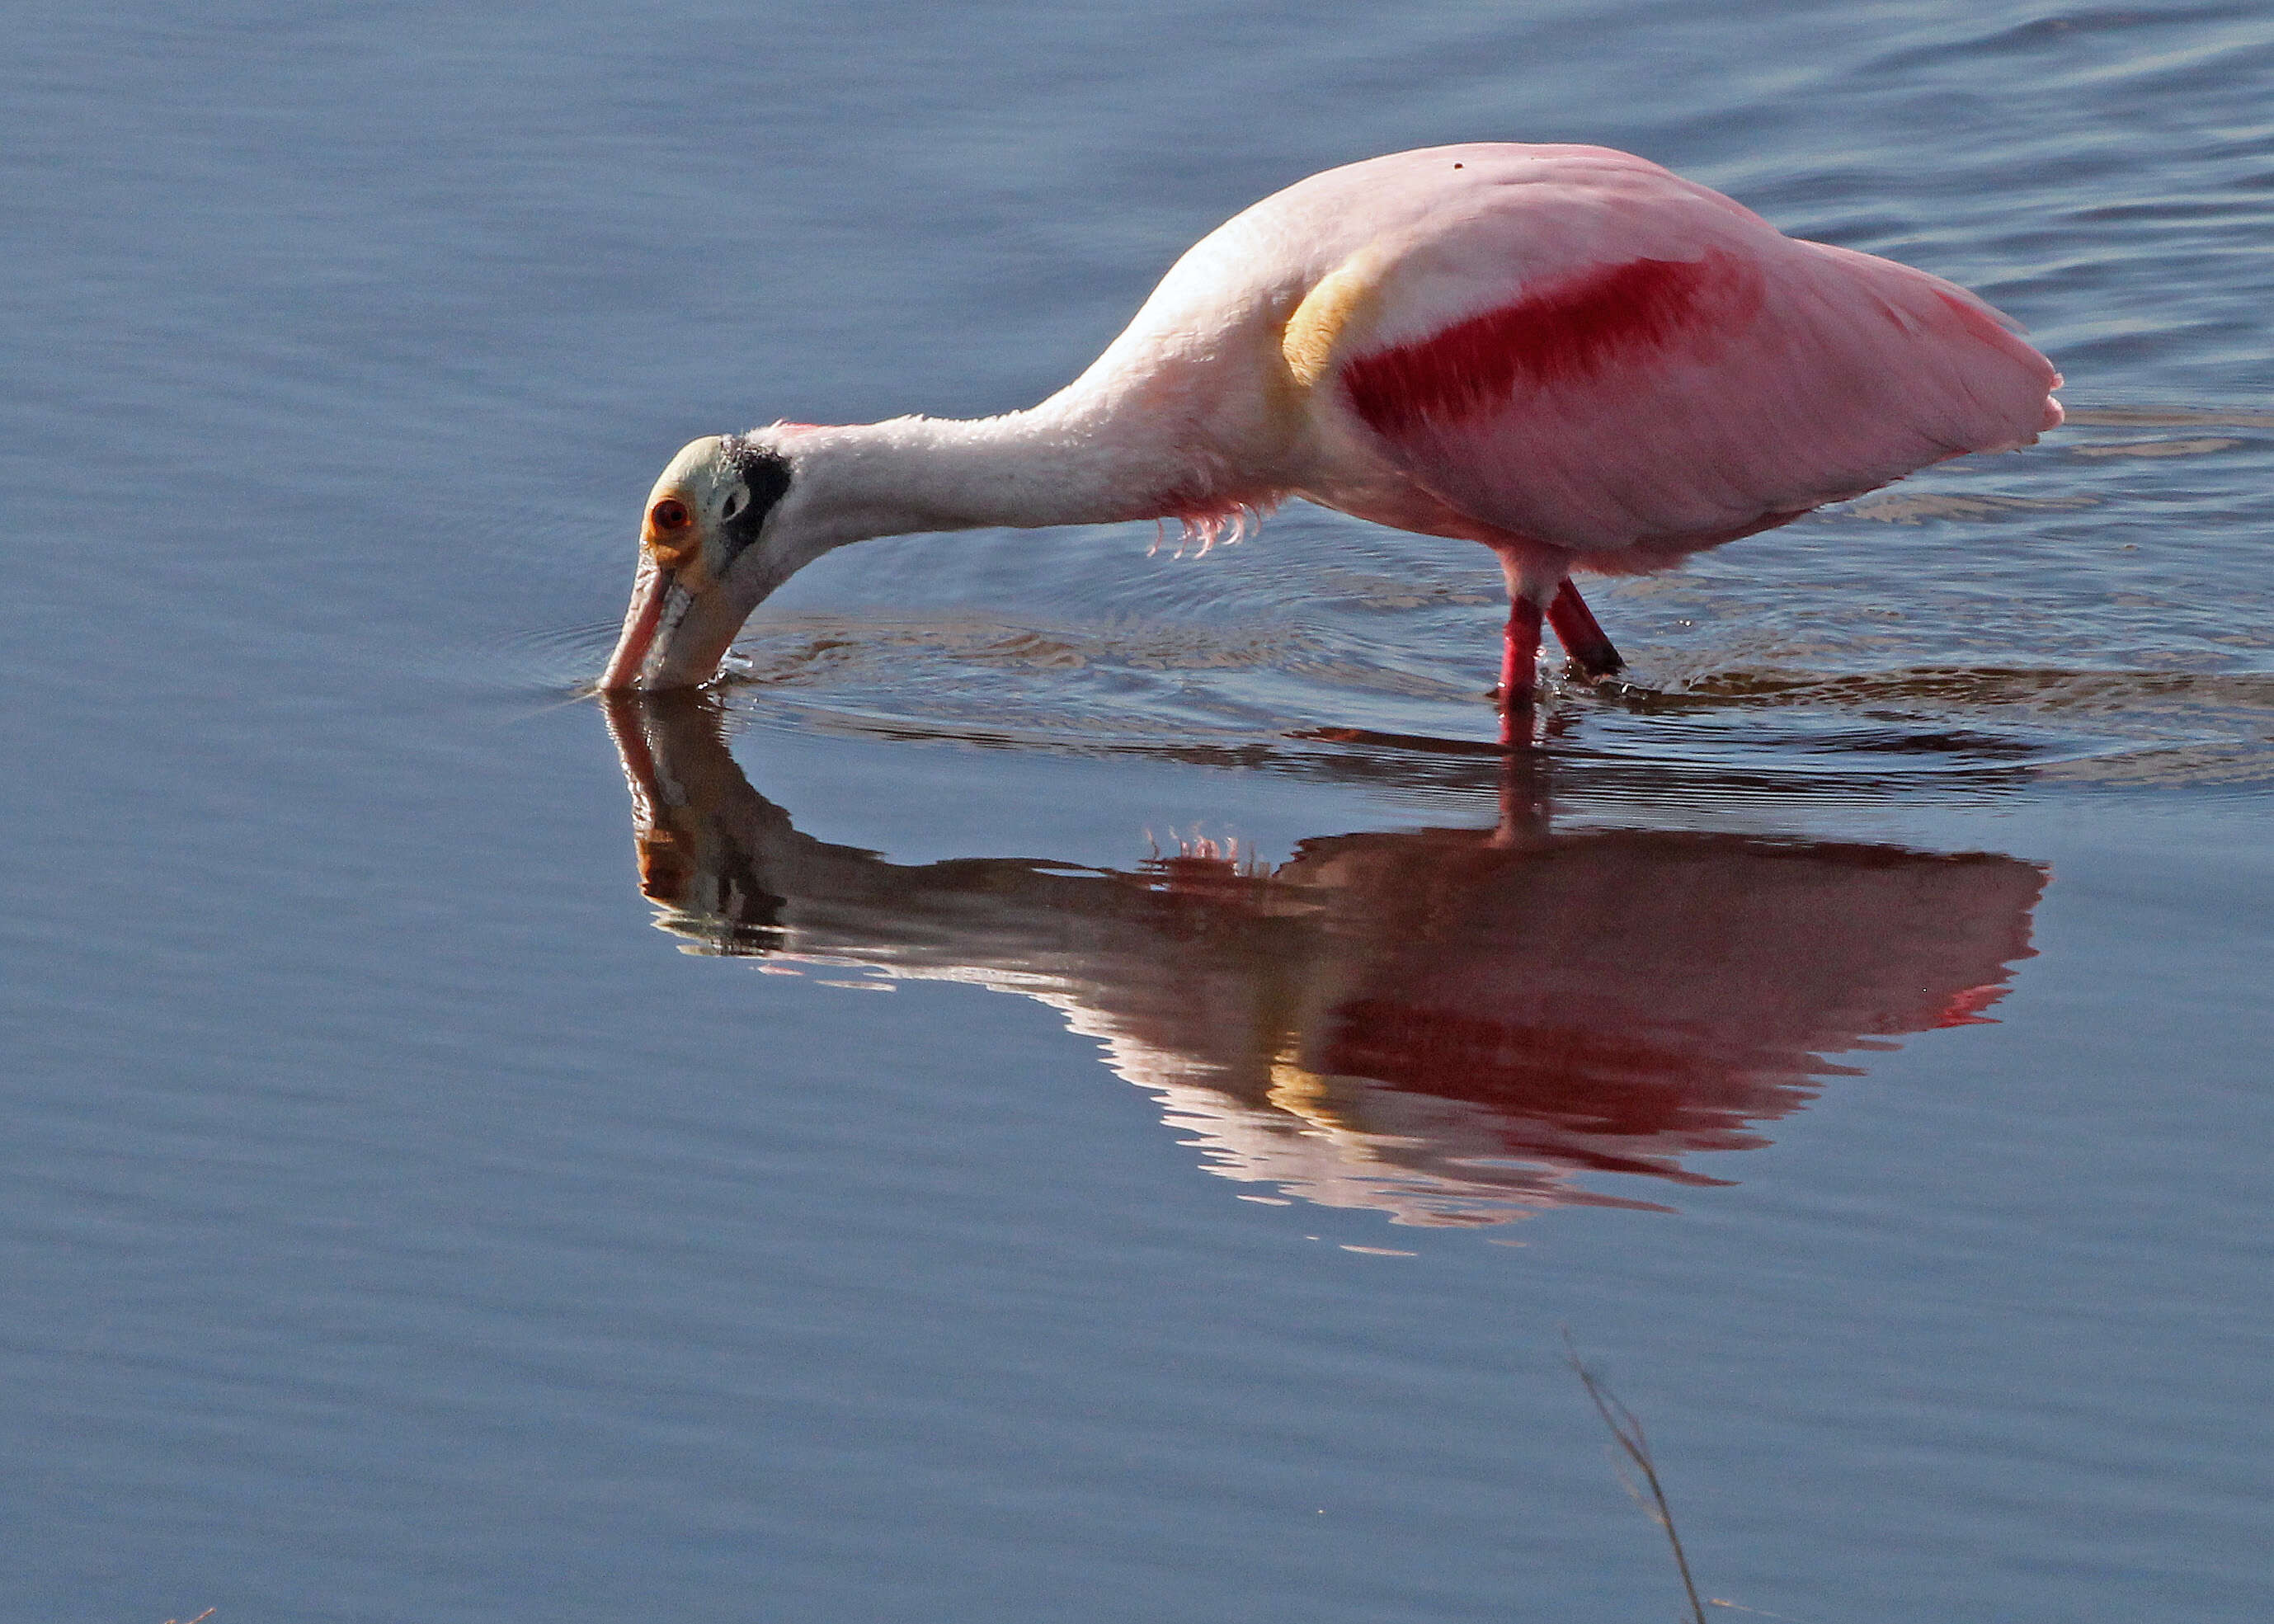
(670, 514)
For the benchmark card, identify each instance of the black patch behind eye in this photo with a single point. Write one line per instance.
(766, 474)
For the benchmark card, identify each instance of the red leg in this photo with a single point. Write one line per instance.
(1519, 653)
(1576, 630)
(1519, 671)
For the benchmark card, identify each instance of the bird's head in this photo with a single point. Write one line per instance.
(712, 545)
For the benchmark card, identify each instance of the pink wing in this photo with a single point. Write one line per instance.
(1620, 362)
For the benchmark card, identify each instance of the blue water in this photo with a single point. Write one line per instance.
(1853, 1034)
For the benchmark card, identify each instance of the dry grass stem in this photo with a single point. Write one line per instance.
(1625, 1428)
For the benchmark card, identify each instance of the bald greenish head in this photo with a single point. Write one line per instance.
(709, 554)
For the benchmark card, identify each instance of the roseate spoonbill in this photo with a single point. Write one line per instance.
(1429, 1022)
(1566, 353)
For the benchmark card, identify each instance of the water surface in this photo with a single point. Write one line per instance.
(1853, 1030)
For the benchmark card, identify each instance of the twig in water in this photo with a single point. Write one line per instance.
(1628, 1430)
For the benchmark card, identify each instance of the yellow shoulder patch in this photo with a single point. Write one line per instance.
(1345, 294)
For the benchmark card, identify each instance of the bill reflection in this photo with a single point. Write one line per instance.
(1451, 1026)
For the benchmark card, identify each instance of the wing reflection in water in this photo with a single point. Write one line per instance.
(1447, 1026)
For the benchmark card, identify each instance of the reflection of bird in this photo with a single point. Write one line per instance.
(1447, 1025)
(1565, 353)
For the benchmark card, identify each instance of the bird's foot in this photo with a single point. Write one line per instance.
(1575, 627)
(1577, 674)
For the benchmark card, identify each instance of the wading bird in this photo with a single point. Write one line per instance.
(1568, 354)
(1451, 1026)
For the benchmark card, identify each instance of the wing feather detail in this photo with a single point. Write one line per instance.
(1715, 379)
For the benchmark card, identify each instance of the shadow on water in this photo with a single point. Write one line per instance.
(1446, 1024)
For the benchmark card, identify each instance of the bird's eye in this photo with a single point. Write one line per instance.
(670, 514)
(737, 501)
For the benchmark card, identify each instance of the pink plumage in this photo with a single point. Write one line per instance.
(1568, 354)
(1592, 356)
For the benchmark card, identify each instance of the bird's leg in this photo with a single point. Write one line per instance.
(1519, 670)
(1520, 654)
(1582, 637)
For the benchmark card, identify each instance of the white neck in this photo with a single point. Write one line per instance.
(1064, 462)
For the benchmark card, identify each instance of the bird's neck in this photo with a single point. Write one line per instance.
(1062, 463)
